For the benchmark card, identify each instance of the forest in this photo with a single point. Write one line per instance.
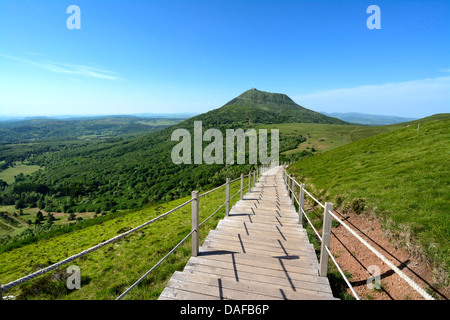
(116, 173)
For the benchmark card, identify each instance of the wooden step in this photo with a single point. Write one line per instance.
(264, 277)
(228, 288)
(262, 241)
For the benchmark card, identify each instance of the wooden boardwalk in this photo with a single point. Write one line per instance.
(258, 252)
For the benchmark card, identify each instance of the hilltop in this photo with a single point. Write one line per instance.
(255, 107)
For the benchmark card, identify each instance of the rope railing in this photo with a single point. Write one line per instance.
(235, 194)
(309, 194)
(342, 273)
(211, 191)
(154, 267)
(414, 285)
(312, 226)
(42, 271)
(212, 214)
(328, 216)
(305, 215)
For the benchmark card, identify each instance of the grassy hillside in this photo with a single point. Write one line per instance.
(403, 177)
(324, 137)
(107, 272)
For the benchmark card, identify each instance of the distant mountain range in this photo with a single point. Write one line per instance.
(250, 108)
(368, 119)
(182, 115)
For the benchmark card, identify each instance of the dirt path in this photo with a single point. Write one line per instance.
(356, 259)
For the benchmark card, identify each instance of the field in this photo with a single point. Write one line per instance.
(108, 271)
(402, 176)
(324, 137)
(11, 226)
(27, 218)
(8, 174)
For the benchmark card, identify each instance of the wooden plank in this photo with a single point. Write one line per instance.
(264, 205)
(263, 211)
(271, 235)
(215, 254)
(273, 278)
(261, 214)
(224, 283)
(280, 268)
(294, 229)
(270, 220)
(210, 246)
(177, 293)
(262, 241)
(271, 230)
(215, 292)
(261, 234)
(257, 273)
(249, 247)
(264, 215)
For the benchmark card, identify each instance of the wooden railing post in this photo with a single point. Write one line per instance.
(301, 202)
(286, 180)
(242, 186)
(249, 181)
(195, 209)
(326, 231)
(293, 192)
(288, 187)
(254, 178)
(227, 198)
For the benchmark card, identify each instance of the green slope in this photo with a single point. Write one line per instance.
(324, 137)
(404, 177)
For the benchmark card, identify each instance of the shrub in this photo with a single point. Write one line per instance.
(52, 285)
(338, 201)
(358, 205)
(39, 216)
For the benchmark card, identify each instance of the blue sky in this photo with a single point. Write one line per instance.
(193, 56)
